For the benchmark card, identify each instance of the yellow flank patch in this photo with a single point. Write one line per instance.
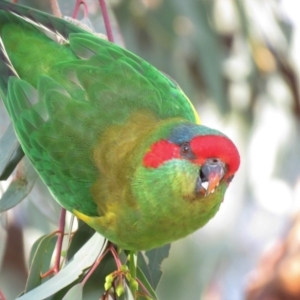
(82, 217)
(100, 224)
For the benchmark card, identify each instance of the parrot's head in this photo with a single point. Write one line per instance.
(205, 156)
(184, 173)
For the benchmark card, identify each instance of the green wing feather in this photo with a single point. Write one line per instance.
(63, 87)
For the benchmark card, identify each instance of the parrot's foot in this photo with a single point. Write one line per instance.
(60, 232)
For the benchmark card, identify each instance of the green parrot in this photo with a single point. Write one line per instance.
(117, 142)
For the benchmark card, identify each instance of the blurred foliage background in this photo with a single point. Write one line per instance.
(238, 62)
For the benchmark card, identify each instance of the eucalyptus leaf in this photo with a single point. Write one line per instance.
(20, 186)
(141, 276)
(40, 259)
(11, 152)
(152, 269)
(82, 260)
(80, 237)
(75, 293)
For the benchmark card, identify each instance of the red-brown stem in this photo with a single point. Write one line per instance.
(106, 21)
(143, 288)
(62, 222)
(115, 255)
(99, 259)
(76, 9)
(61, 233)
(93, 268)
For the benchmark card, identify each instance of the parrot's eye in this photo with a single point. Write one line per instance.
(186, 151)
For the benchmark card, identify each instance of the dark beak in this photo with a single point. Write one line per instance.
(212, 172)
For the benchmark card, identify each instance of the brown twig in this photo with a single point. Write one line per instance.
(110, 248)
(61, 232)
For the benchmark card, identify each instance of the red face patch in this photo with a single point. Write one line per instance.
(202, 148)
(160, 152)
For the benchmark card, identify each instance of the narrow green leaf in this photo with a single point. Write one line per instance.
(141, 276)
(152, 269)
(20, 186)
(75, 293)
(82, 260)
(40, 259)
(81, 236)
(11, 153)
